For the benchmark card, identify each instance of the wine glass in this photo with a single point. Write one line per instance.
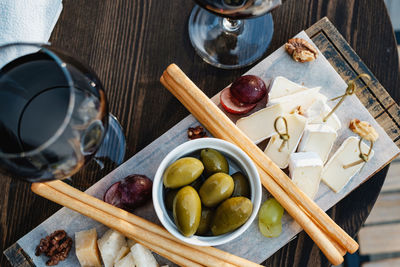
(53, 114)
(232, 33)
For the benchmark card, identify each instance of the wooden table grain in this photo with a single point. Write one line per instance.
(129, 44)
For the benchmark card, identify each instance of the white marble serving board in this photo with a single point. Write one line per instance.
(251, 245)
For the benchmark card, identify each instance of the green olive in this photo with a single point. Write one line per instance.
(169, 198)
(205, 221)
(242, 187)
(216, 189)
(182, 172)
(187, 210)
(231, 214)
(213, 161)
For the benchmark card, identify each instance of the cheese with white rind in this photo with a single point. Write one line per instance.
(333, 121)
(121, 253)
(260, 125)
(142, 257)
(318, 138)
(303, 99)
(86, 248)
(126, 261)
(281, 86)
(333, 174)
(296, 124)
(305, 170)
(109, 245)
(317, 107)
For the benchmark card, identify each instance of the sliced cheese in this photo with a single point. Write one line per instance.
(126, 261)
(317, 107)
(305, 170)
(282, 87)
(142, 257)
(333, 121)
(124, 250)
(109, 245)
(303, 99)
(296, 124)
(86, 248)
(260, 125)
(333, 174)
(318, 138)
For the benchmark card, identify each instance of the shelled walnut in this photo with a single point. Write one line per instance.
(55, 246)
(197, 132)
(364, 130)
(301, 50)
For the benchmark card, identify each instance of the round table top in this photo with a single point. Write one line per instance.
(130, 43)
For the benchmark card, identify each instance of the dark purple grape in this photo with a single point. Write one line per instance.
(248, 89)
(113, 195)
(231, 105)
(130, 193)
(135, 190)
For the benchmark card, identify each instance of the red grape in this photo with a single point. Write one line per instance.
(113, 195)
(231, 105)
(248, 89)
(132, 192)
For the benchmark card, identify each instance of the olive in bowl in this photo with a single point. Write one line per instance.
(187, 202)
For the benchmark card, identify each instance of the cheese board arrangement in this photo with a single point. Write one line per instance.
(310, 132)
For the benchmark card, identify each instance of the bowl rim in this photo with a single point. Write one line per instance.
(234, 153)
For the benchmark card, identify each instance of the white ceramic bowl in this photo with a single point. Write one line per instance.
(235, 156)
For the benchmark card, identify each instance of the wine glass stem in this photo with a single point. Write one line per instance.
(231, 25)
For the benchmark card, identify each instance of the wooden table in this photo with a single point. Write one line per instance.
(130, 43)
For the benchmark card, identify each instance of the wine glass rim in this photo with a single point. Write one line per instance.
(45, 47)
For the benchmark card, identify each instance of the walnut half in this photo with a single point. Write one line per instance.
(197, 132)
(301, 50)
(364, 130)
(55, 246)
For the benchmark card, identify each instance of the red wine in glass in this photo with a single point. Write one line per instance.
(53, 114)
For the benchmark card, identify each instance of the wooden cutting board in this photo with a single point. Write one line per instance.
(348, 65)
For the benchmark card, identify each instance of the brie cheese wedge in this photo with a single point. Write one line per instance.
(318, 138)
(260, 125)
(109, 245)
(333, 174)
(142, 256)
(282, 87)
(333, 121)
(126, 261)
(305, 170)
(302, 99)
(296, 124)
(316, 108)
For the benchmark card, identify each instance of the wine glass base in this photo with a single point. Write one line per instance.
(229, 48)
(112, 149)
(113, 146)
